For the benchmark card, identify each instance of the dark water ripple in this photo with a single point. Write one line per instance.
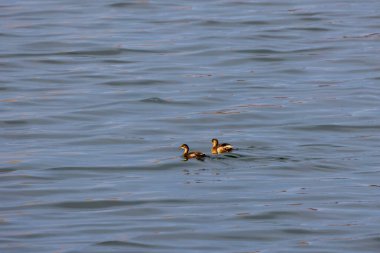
(96, 97)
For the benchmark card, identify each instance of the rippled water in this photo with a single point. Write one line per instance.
(97, 96)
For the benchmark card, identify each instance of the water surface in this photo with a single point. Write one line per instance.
(96, 98)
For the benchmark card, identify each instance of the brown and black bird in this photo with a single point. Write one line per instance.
(220, 148)
(194, 154)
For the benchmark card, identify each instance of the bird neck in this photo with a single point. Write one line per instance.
(185, 150)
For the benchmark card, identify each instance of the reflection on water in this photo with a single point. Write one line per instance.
(96, 98)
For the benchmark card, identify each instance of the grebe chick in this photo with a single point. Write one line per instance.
(220, 148)
(190, 155)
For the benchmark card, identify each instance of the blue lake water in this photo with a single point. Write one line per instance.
(97, 96)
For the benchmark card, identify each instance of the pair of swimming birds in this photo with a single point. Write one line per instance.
(216, 149)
